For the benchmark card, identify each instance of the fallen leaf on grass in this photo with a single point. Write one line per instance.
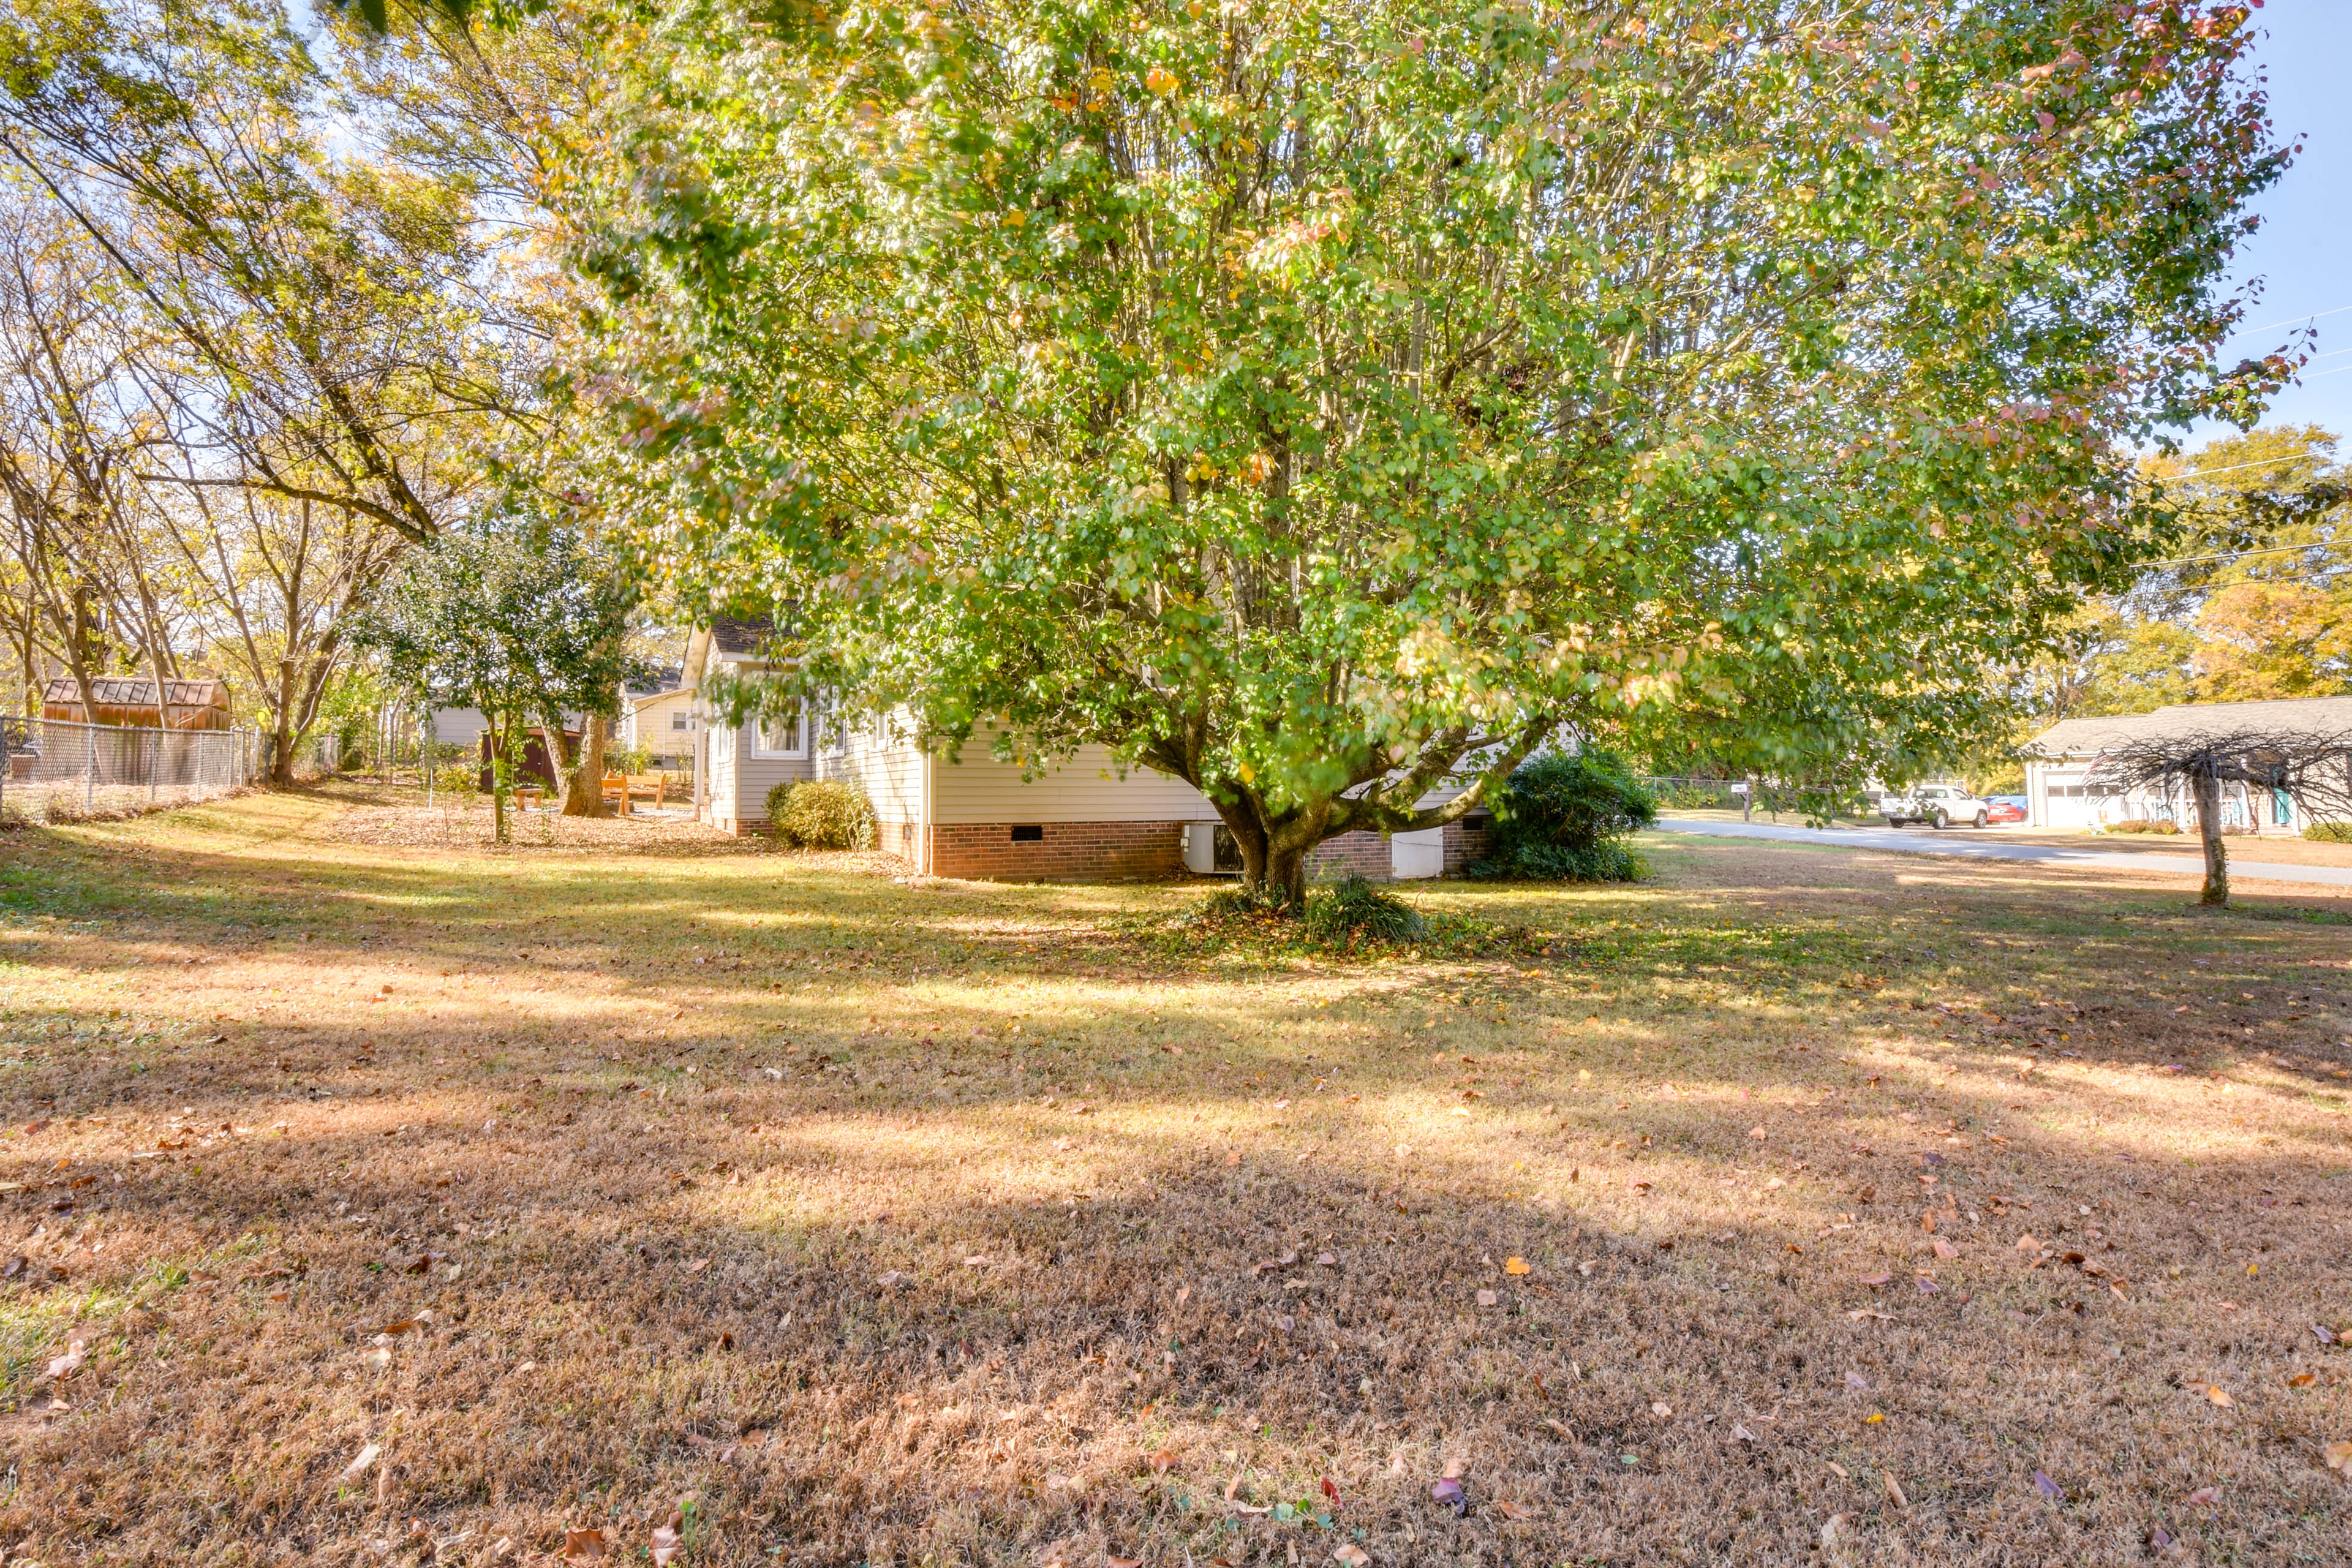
(1874, 1280)
(1946, 1250)
(1111, 1561)
(1354, 1556)
(2340, 1458)
(2027, 1244)
(1164, 1461)
(1448, 1492)
(70, 1362)
(377, 1358)
(1861, 1313)
(1894, 1489)
(2204, 1496)
(2046, 1486)
(359, 1466)
(2216, 1395)
(1742, 1433)
(1330, 1488)
(1488, 1298)
(666, 1543)
(1856, 1382)
(1512, 1509)
(1515, 1266)
(583, 1545)
(2300, 1379)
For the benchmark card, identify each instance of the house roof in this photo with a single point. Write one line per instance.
(2318, 715)
(137, 691)
(731, 633)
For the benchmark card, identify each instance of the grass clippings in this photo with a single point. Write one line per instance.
(431, 1202)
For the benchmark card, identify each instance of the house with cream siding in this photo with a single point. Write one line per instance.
(969, 815)
(2063, 789)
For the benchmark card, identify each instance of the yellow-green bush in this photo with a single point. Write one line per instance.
(821, 814)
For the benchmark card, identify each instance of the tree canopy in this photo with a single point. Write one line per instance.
(1318, 402)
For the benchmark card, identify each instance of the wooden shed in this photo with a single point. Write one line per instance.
(130, 700)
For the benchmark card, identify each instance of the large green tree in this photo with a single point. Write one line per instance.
(1323, 402)
(516, 615)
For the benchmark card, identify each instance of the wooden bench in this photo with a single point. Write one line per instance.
(623, 788)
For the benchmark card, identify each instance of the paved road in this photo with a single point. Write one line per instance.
(1953, 842)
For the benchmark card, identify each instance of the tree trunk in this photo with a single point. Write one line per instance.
(501, 777)
(281, 759)
(585, 794)
(1285, 877)
(2209, 827)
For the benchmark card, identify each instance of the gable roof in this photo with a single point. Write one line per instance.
(732, 633)
(2295, 715)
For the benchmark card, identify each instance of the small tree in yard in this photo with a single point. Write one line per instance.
(2312, 769)
(1323, 402)
(518, 619)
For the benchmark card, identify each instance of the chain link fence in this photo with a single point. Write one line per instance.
(58, 771)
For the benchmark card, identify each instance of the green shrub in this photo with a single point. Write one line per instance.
(1353, 906)
(821, 814)
(1563, 819)
(2329, 833)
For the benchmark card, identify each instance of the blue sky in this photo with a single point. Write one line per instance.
(2303, 252)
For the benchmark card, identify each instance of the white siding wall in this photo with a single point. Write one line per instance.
(457, 727)
(755, 775)
(1086, 788)
(885, 762)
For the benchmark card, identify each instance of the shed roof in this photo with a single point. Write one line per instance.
(2317, 716)
(137, 691)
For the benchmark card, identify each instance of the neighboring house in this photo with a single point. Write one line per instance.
(661, 718)
(129, 699)
(978, 817)
(2063, 788)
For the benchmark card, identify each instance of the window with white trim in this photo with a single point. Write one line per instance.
(782, 733)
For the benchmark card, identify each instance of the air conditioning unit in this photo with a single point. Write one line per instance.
(1210, 850)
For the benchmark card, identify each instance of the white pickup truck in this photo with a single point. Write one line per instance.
(1941, 803)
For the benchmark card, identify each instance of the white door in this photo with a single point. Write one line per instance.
(2069, 801)
(1413, 856)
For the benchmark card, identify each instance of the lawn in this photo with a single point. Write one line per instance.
(410, 1199)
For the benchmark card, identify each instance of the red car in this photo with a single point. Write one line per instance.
(2004, 811)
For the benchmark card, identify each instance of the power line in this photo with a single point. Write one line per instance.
(2292, 322)
(2262, 463)
(2238, 555)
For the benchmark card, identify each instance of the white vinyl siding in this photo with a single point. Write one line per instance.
(878, 757)
(1086, 788)
(755, 773)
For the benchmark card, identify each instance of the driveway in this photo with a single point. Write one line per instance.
(1955, 842)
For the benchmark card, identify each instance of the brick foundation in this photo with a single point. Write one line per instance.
(1360, 854)
(1465, 843)
(1069, 852)
(897, 838)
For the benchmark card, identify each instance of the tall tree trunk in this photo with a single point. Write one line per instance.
(584, 795)
(2209, 827)
(282, 757)
(501, 775)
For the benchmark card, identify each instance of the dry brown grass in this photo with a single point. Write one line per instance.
(896, 1224)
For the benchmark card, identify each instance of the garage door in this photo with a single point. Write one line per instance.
(2068, 803)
